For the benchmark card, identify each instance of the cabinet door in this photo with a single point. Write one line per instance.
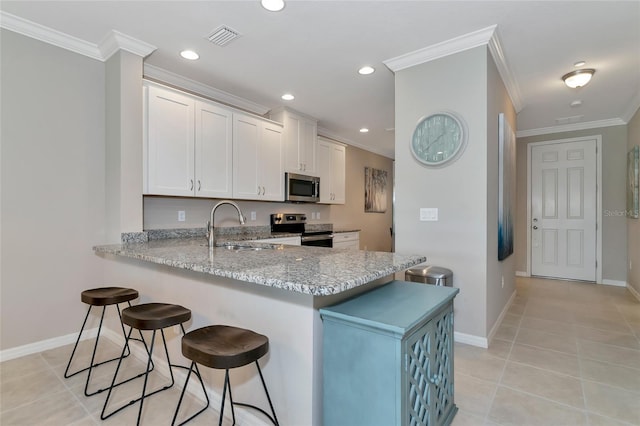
(338, 164)
(324, 153)
(246, 138)
(308, 132)
(428, 384)
(270, 163)
(169, 134)
(292, 158)
(213, 151)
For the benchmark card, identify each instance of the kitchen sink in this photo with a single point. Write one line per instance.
(245, 247)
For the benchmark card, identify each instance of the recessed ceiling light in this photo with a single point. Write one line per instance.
(579, 64)
(364, 130)
(366, 70)
(576, 103)
(288, 97)
(189, 54)
(273, 5)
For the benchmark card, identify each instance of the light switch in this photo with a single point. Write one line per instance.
(181, 216)
(253, 215)
(428, 214)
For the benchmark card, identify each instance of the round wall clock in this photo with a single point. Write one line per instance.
(438, 139)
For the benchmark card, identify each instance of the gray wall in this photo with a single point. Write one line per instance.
(633, 225)
(464, 192)
(52, 188)
(614, 227)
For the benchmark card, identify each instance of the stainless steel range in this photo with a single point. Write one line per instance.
(296, 223)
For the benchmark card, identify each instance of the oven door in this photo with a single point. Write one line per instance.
(323, 240)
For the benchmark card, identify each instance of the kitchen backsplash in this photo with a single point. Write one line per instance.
(165, 212)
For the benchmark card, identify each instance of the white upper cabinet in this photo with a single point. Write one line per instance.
(169, 142)
(331, 167)
(188, 145)
(300, 133)
(258, 172)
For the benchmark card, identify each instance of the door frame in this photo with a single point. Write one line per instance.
(530, 147)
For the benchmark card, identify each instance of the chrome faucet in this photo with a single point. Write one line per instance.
(210, 226)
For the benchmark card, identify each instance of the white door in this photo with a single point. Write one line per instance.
(563, 210)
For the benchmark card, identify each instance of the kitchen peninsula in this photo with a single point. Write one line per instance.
(272, 289)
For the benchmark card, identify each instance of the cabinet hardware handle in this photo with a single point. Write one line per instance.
(191, 189)
(263, 190)
(435, 379)
(199, 185)
(535, 227)
(258, 189)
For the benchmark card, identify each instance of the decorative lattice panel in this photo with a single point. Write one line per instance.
(429, 369)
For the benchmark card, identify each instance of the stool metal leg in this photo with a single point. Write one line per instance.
(273, 419)
(184, 388)
(148, 369)
(92, 364)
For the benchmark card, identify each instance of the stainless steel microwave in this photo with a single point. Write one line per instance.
(301, 188)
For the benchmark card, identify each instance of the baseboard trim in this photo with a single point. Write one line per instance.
(498, 322)
(521, 274)
(615, 283)
(633, 291)
(470, 339)
(44, 345)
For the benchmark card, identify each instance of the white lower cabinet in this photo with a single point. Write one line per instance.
(348, 240)
(258, 172)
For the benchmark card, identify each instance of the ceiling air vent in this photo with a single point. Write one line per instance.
(223, 35)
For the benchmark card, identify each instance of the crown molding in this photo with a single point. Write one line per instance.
(634, 105)
(116, 40)
(49, 35)
(440, 50)
(509, 80)
(176, 80)
(571, 127)
(323, 131)
(486, 36)
(109, 45)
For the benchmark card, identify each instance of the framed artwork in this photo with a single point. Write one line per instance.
(633, 182)
(375, 190)
(506, 186)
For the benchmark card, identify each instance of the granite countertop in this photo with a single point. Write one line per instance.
(317, 271)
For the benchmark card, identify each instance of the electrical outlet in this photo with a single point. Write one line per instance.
(181, 216)
(253, 215)
(313, 215)
(317, 215)
(502, 282)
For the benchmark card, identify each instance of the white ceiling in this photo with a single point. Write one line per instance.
(314, 48)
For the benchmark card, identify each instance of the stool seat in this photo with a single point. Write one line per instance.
(105, 296)
(155, 316)
(222, 346)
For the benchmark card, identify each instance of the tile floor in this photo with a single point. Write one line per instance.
(566, 354)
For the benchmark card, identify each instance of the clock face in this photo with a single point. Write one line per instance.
(438, 139)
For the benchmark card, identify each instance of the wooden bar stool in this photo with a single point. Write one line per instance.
(149, 316)
(104, 296)
(224, 347)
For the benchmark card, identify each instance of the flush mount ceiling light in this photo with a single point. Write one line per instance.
(578, 78)
(288, 97)
(364, 130)
(366, 70)
(272, 5)
(189, 54)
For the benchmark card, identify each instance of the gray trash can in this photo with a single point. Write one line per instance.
(430, 275)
